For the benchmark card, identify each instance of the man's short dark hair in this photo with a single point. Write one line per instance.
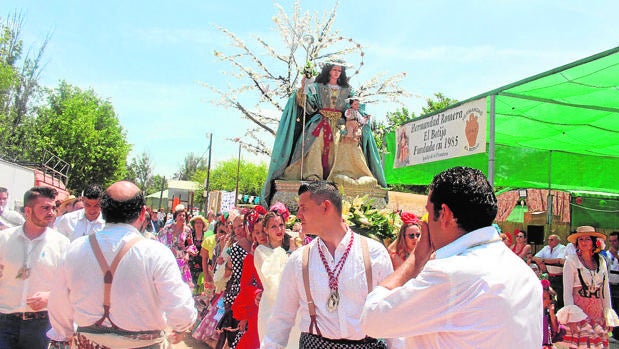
(321, 191)
(36, 192)
(614, 233)
(4, 190)
(468, 194)
(127, 211)
(93, 191)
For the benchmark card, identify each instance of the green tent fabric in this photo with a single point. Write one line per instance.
(558, 129)
(596, 209)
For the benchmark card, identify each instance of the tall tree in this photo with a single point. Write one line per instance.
(224, 176)
(140, 171)
(19, 88)
(83, 130)
(191, 165)
(269, 76)
(157, 184)
(436, 103)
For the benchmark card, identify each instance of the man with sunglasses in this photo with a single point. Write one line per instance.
(462, 286)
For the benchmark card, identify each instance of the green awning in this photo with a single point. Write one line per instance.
(558, 129)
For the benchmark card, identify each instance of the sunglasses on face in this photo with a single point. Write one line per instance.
(413, 236)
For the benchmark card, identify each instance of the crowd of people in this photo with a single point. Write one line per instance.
(117, 274)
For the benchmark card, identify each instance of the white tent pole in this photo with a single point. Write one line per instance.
(550, 203)
(491, 148)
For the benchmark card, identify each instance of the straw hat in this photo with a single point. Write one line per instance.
(68, 200)
(585, 230)
(195, 218)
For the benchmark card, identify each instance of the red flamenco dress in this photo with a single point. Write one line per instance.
(244, 306)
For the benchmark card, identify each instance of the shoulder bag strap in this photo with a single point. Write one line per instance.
(310, 301)
(367, 262)
(108, 272)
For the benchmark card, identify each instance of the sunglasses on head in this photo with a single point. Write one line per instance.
(414, 235)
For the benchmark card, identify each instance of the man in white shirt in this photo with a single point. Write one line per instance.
(29, 257)
(8, 217)
(146, 295)
(551, 259)
(86, 221)
(461, 287)
(338, 295)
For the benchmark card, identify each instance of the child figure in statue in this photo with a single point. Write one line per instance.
(354, 120)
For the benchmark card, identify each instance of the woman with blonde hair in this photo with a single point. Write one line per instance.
(407, 238)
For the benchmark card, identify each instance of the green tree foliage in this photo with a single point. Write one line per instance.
(191, 165)
(140, 171)
(157, 184)
(19, 88)
(438, 102)
(223, 177)
(83, 130)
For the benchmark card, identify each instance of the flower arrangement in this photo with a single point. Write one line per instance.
(379, 224)
(309, 70)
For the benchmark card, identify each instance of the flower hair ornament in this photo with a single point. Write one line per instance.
(599, 246)
(409, 218)
(545, 284)
(224, 217)
(253, 216)
(281, 209)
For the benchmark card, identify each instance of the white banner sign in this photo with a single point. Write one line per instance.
(456, 132)
(227, 200)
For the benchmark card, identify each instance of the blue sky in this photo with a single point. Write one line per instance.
(150, 58)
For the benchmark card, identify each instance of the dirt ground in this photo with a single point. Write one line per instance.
(189, 342)
(414, 203)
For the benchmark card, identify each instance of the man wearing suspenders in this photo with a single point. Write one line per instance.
(121, 290)
(327, 280)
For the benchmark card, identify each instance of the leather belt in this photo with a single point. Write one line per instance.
(25, 316)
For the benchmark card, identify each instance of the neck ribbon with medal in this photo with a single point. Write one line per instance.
(334, 297)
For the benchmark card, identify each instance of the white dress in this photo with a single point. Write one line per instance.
(269, 263)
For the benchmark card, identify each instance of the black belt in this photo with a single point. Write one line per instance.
(25, 316)
(138, 335)
(366, 340)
